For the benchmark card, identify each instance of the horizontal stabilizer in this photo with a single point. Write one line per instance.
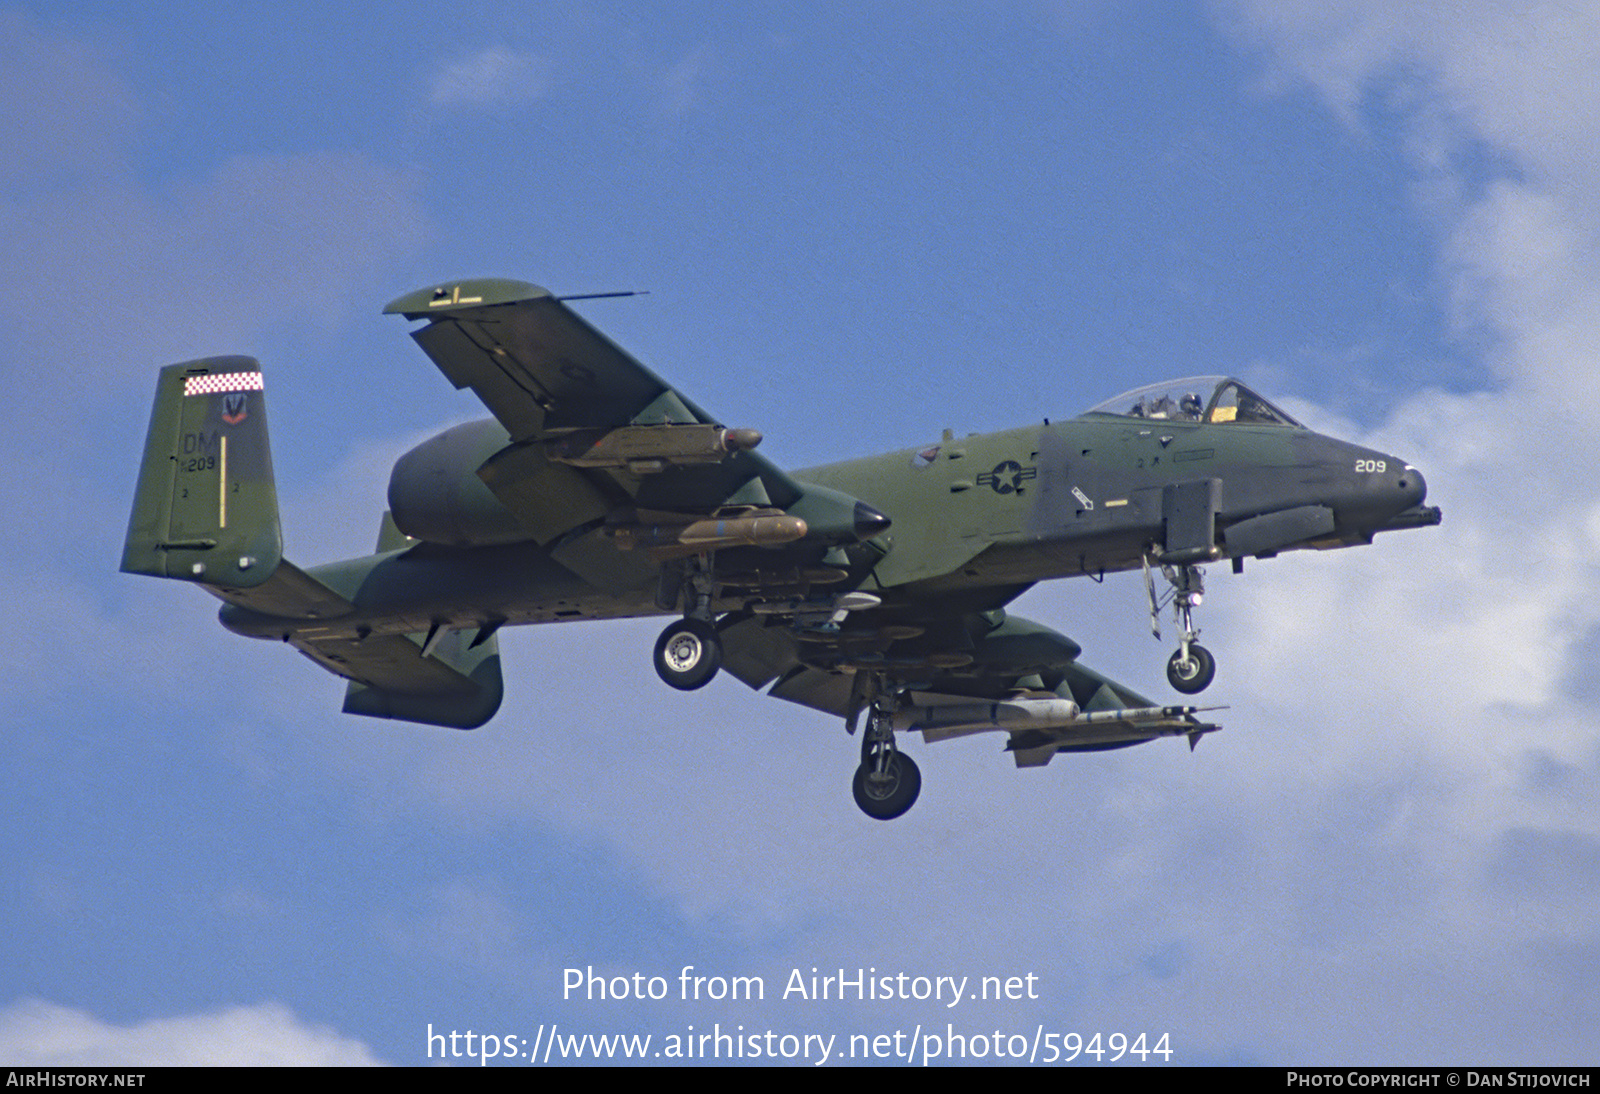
(457, 684)
(288, 595)
(451, 679)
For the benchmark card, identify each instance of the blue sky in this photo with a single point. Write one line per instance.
(857, 228)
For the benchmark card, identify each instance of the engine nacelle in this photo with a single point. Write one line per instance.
(436, 496)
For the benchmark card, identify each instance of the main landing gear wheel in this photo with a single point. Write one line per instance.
(887, 794)
(688, 654)
(1194, 673)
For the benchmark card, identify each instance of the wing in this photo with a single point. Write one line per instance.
(589, 427)
(957, 674)
(536, 365)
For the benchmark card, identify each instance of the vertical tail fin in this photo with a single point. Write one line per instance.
(206, 508)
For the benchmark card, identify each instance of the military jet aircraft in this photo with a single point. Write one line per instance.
(873, 587)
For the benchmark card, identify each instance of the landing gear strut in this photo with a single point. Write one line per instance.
(887, 782)
(689, 652)
(1192, 668)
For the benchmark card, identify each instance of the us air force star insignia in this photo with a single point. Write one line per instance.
(1007, 476)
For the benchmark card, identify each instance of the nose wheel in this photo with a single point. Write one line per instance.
(1191, 669)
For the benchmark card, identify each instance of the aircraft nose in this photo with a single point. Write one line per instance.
(1401, 495)
(1380, 489)
(1411, 485)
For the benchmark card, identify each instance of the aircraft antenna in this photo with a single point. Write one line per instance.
(604, 295)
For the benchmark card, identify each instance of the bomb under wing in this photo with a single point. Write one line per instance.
(673, 539)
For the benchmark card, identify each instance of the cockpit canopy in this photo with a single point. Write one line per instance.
(1212, 399)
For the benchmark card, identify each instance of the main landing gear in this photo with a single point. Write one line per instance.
(887, 782)
(1191, 668)
(689, 652)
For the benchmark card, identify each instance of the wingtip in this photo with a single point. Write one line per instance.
(473, 292)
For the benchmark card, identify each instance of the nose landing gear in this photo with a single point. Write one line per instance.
(1191, 668)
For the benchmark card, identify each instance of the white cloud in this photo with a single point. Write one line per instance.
(1505, 587)
(1439, 663)
(492, 76)
(465, 924)
(34, 1033)
(680, 91)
